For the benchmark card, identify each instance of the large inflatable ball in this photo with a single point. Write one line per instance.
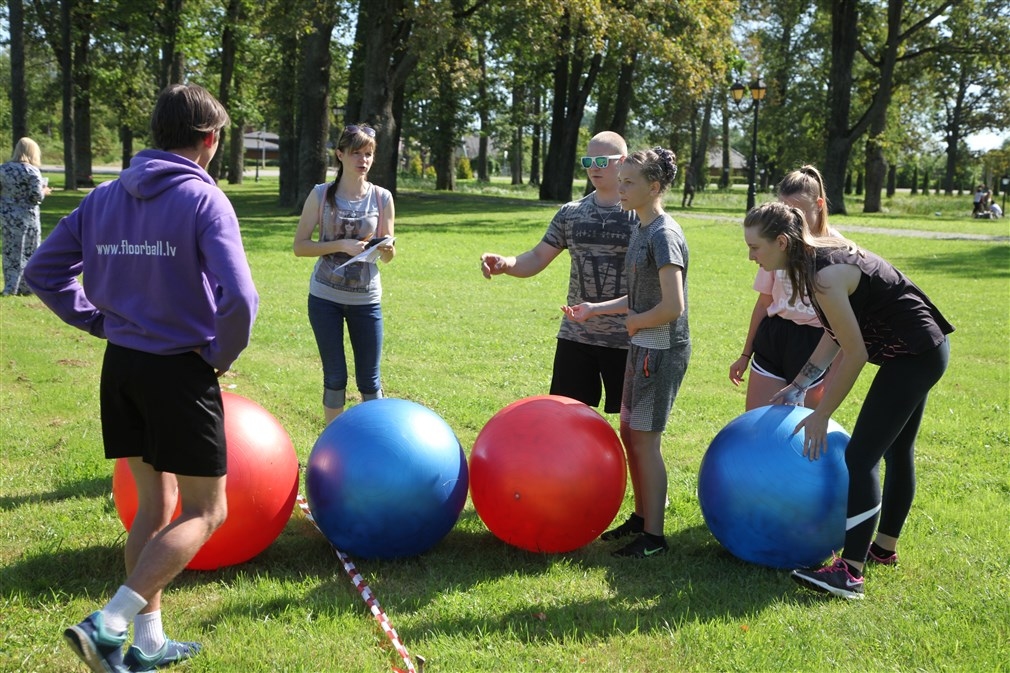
(261, 487)
(764, 501)
(386, 479)
(547, 474)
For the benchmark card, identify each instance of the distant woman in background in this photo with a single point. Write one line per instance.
(22, 189)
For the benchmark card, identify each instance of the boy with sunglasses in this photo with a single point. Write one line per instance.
(590, 356)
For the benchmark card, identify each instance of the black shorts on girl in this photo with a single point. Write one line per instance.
(782, 347)
(166, 409)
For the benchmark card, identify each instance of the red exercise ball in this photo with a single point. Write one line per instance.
(547, 474)
(262, 486)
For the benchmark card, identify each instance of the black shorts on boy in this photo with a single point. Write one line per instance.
(583, 372)
(166, 409)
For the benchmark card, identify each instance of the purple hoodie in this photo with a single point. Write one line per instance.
(164, 267)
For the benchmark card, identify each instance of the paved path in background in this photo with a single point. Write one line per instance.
(907, 233)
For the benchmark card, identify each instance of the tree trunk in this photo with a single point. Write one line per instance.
(67, 80)
(170, 23)
(892, 180)
(915, 181)
(287, 129)
(571, 90)
(535, 133)
(844, 43)
(876, 172)
(625, 94)
(876, 163)
(313, 106)
(953, 129)
(229, 47)
(726, 168)
(236, 143)
(483, 114)
(126, 139)
(19, 96)
(446, 106)
(699, 150)
(82, 96)
(383, 34)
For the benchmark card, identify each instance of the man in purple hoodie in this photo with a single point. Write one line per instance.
(166, 282)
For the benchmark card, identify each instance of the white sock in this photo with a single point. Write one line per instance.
(148, 634)
(121, 610)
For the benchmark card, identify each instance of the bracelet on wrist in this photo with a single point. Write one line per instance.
(745, 355)
(798, 387)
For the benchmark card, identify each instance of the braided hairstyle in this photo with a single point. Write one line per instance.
(657, 165)
(774, 219)
(807, 182)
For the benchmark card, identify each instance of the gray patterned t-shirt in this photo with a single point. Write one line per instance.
(596, 238)
(652, 247)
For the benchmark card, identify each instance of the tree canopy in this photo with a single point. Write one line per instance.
(529, 80)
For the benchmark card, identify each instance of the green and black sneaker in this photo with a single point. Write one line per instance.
(643, 546)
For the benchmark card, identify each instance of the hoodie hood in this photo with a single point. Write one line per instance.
(152, 172)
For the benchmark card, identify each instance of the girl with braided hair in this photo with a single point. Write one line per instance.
(656, 308)
(872, 313)
(783, 332)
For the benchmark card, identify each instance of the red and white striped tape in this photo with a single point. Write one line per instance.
(370, 600)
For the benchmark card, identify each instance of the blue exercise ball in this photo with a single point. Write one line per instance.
(764, 501)
(386, 479)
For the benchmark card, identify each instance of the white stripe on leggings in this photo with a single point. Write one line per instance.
(854, 521)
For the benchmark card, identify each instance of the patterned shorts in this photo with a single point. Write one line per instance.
(651, 381)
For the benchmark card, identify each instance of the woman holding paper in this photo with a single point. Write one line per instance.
(351, 214)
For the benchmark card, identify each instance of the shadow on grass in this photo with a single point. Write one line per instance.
(697, 580)
(88, 488)
(988, 261)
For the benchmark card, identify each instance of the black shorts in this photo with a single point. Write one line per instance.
(583, 372)
(166, 409)
(782, 347)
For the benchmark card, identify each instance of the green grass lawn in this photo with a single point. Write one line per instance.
(466, 347)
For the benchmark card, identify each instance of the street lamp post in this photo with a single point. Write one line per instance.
(757, 93)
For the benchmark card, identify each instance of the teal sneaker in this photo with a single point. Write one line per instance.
(170, 653)
(97, 647)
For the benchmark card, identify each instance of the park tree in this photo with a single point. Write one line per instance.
(882, 41)
(971, 80)
(381, 61)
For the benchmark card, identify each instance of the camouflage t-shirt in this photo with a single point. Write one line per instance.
(596, 238)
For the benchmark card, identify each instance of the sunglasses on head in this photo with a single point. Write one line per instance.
(367, 130)
(600, 161)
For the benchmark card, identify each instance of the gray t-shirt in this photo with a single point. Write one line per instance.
(596, 238)
(653, 246)
(358, 283)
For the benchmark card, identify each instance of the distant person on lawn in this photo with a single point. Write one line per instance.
(167, 283)
(22, 189)
(872, 313)
(589, 357)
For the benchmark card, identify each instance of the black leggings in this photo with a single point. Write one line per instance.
(886, 428)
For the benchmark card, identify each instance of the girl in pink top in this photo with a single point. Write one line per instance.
(782, 334)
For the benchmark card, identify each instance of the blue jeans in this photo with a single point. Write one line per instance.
(364, 325)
